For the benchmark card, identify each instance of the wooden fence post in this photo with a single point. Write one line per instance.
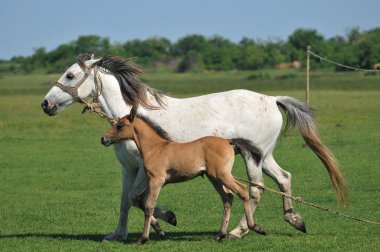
(308, 49)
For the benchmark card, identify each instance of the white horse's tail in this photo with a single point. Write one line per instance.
(300, 114)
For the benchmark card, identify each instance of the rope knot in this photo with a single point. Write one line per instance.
(91, 107)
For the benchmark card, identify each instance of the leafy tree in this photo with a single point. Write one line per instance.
(251, 56)
(60, 58)
(192, 61)
(92, 44)
(156, 48)
(354, 36)
(300, 39)
(191, 43)
(196, 52)
(274, 53)
(221, 54)
(367, 49)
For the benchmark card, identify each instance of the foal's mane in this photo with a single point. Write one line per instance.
(157, 128)
(127, 73)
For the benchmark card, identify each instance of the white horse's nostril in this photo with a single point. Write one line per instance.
(44, 104)
(48, 108)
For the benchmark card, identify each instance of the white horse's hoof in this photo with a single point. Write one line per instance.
(237, 234)
(115, 237)
(295, 219)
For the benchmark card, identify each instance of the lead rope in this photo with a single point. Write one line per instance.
(301, 201)
(95, 107)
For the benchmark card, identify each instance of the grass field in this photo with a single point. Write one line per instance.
(60, 189)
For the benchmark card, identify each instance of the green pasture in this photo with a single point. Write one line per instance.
(60, 188)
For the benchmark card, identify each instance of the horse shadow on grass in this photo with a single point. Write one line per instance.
(132, 237)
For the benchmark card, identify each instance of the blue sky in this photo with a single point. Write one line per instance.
(29, 24)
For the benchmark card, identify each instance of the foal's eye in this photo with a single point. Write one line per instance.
(119, 126)
(70, 76)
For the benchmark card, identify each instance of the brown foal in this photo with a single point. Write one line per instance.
(170, 162)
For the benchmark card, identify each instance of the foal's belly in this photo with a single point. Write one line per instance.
(176, 176)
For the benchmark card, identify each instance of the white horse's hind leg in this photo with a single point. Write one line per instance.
(255, 175)
(121, 232)
(283, 180)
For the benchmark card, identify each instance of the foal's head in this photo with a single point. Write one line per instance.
(122, 130)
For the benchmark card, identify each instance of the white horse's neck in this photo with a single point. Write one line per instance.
(111, 99)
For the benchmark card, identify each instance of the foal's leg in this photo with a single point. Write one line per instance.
(283, 180)
(155, 185)
(138, 195)
(254, 172)
(242, 192)
(227, 198)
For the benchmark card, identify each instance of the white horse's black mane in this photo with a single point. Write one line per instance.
(127, 73)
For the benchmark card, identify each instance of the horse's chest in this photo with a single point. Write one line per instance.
(128, 154)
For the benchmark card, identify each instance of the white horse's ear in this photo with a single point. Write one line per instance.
(90, 62)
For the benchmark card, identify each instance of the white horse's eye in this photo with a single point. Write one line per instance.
(70, 76)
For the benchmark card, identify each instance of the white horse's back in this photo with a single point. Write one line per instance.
(232, 114)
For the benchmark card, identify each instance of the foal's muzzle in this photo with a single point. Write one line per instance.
(49, 109)
(106, 141)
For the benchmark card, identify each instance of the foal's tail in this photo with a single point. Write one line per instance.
(300, 114)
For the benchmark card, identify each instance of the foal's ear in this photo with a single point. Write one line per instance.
(132, 114)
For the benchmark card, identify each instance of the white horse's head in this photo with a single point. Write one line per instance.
(79, 83)
(79, 73)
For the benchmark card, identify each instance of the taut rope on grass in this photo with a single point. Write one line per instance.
(301, 201)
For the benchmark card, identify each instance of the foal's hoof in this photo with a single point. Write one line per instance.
(161, 234)
(220, 236)
(258, 229)
(142, 241)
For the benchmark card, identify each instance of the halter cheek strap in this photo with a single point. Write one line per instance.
(73, 90)
(94, 106)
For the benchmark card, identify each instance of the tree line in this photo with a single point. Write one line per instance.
(197, 52)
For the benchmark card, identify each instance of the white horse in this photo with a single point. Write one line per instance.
(233, 114)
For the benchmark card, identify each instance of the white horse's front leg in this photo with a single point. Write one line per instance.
(121, 232)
